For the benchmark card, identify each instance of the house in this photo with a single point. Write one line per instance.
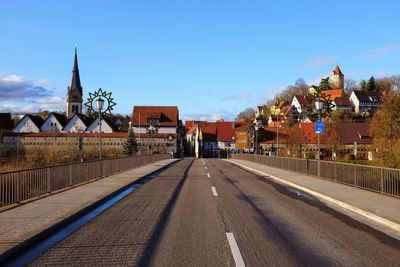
(164, 118)
(242, 137)
(202, 140)
(332, 94)
(260, 110)
(298, 102)
(29, 124)
(107, 126)
(342, 103)
(157, 128)
(6, 122)
(280, 107)
(54, 122)
(78, 123)
(226, 134)
(352, 139)
(363, 100)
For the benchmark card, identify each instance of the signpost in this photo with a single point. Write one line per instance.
(319, 127)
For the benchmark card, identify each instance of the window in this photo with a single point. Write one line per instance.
(74, 109)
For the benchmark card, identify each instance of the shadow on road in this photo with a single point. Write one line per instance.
(145, 259)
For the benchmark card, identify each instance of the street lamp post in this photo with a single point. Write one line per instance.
(319, 105)
(256, 127)
(100, 106)
(169, 144)
(277, 136)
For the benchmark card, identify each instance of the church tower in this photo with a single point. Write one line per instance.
(337, 78)
(74, 93)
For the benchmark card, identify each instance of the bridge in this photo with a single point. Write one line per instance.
(244, 211)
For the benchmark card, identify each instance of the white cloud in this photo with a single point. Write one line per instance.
(42, 82)
(210, 117)
(21, 95)
(320, 61)
(240, 96)
(380, 52)
(17, 87)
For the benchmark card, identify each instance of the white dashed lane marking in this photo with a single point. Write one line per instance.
(237, 256)
(214, 191)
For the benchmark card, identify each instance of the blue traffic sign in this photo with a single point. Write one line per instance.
(319, 127)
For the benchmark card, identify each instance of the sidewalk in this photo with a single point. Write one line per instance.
(26, 221)
(378, 211)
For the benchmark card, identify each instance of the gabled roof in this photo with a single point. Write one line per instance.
(332, 94)
(225, 131)
(110, 123)
(59, 117)
(167, 115)
(85, 119)
(301, 99)
(209, 131)
(342, 101)
(37, 120)
(6, 123)
(361, 95)
(337, 71)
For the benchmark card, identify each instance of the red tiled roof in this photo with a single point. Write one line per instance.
(188, 125)
(192, 129)
(225, 131)
(167, 115)
(348, 133)
(337, 71)
(342, 101)
(208, 130)
(110, 135)
(301, 99)
(332, 94)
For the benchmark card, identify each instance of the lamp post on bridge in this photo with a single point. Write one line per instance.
(100, 106)
(257, 126)
(318, 106)
(100, 103)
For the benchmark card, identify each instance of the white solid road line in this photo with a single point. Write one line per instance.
(389, 224)
(235, 250)
(214, 191)
(208, 175)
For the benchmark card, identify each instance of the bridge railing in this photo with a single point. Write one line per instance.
(17, 186)
(377, 179)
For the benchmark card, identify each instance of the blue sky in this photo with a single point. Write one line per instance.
(211, 58)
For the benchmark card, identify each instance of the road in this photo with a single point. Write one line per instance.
(212, 213)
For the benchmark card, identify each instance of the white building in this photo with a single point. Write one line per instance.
(54, 123)
(106, 126)
(78, 123)
(29, 124)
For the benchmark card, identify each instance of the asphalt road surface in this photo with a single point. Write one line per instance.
(213, 213)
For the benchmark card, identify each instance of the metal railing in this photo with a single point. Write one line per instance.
(17, 186)
(378, 179)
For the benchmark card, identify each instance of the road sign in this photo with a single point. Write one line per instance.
(319, 127)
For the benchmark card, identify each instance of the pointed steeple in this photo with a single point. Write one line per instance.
(337, 70)
(74, 92)
(75, 79)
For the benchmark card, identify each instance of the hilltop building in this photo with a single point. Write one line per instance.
(337, 78)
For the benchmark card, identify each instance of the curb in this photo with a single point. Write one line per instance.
(375, 218)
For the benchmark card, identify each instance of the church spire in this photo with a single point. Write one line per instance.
(75, 79)
(74, 93)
